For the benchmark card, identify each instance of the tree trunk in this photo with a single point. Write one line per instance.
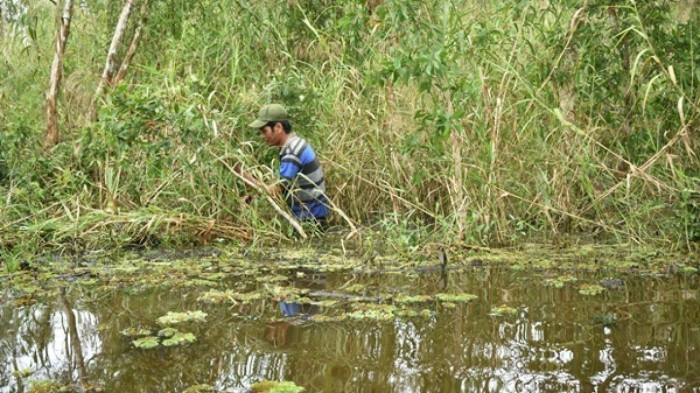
(133, 46)
(52, 133)
(110, 66)
(3, 23)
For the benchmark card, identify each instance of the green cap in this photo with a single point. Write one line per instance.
(268, 113)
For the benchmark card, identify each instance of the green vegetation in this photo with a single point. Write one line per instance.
(452, 122)
(276, 387)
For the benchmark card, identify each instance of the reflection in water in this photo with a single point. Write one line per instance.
(642, 337)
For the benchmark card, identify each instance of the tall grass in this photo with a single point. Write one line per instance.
(439, 121)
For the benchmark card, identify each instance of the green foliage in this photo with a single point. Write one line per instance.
(172, 318)
(437, 121)
(276, 387)
(179, 339)
(148, 342)
(591, 289)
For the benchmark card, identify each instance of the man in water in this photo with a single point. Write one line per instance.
(301, 177)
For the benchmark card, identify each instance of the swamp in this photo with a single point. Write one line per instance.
(513, 187)
(221, 321)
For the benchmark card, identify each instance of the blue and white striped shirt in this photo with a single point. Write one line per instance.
(302, 179)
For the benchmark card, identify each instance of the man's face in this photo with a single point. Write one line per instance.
(272, 135)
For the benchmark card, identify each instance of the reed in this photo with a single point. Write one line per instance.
(464, 123)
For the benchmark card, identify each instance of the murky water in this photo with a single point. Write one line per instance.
(640, 334)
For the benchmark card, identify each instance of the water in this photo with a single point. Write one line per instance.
(641, 334)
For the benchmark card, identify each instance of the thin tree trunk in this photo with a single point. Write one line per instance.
(133, 46)
(52, 134)
(110, 66)
(3, 23)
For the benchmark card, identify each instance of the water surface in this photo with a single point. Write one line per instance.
(640, 333)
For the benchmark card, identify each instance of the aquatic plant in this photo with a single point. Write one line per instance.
(167, 332)
(455, 298)
(558, 282)
(179, 339)
(591, 289)
(412, 299)
(230, 296)
(503, 310)
(148, 342)
(178, 317)
(374, 312)
(276, 387)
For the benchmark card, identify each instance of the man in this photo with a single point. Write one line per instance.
(301, 177)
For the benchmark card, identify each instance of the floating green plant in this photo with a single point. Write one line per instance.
(178, 317)
(271, 278)
(503, 310)
(456, 298)
(135, 332)
(412, 299)
(374, 312)
(229, 296)
(167, 332)
(276, 387)
(286, 293)
(146, 342)
(179, 339)
(558, 282)
(591, 289)
(327, 318)
(325, 303)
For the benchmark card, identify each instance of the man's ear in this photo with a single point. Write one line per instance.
(278, 127)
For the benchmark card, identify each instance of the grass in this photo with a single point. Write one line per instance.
(437, 122)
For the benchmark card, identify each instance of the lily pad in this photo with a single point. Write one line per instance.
(179, 339)
(146, 342)
(276, 387)
(178, 317)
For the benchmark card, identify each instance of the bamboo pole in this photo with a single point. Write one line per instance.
(52, 133)
(110, 64)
